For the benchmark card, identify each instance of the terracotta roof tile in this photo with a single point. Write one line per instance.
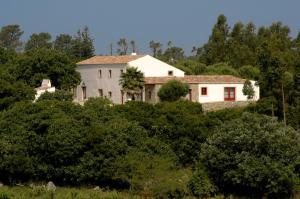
(197, 79)
(110, 59)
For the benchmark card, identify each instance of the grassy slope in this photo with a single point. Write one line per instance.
(60, 193)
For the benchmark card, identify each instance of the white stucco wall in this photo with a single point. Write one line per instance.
(152, 67)
(90, 77)
(215, 92)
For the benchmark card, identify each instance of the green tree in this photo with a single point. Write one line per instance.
(248, 89)
(123, 46)
(214, 50)
(155, 48)
(249, 72)
(133, 46)
(253, 155)
(38, 40)
(10, 36)
(82, 45)
(132, 81)
(36, 65)
(173, 90)
(173, 54)
(12, 91)
(63, 42)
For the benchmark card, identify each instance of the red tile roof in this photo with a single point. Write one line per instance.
(197, 79)
(110, 59)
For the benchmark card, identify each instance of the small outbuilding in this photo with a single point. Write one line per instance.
(45, 87)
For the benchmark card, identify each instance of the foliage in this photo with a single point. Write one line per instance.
(63, 43)
(200, 184)
(82, 45)
(173, 90)
(123, 46)
(253, 154)
(156, 48)
(215, 50)
(249, 72)
(40, 40)
(10, 37)
(39, 192)
(12, 91)
(132, 81)
(34, 66)
(248, 89)
(60, 95)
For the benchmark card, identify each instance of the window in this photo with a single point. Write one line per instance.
(203, 90)
(100, 92)
(109, 74)
(170, 73)
(83, 92)
(109, 94)
(229, 94)
(121, 71)
(149, 94)
(190, 94)
(100, 73)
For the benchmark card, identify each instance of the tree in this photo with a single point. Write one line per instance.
(173, 54)
(38, 40)
(36, 65)
(82, 45)
(63, 43)
(123, 46)
(10, 36)
(173, 90)
(133, 46)
(156, 48)
(249, 72)
(215, 50)
(12, 91)
(248, 89)
(253, 155)
(132, 81)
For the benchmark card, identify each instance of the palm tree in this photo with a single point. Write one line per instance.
(132, 81)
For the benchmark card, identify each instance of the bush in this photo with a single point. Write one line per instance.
(173, 90)
(200, 184)
(253, 155)
(60, 95)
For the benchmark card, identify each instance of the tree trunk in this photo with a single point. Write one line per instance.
(283, 104)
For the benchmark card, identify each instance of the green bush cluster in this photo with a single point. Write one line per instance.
(148, 149)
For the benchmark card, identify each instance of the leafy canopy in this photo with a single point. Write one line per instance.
(173, 90)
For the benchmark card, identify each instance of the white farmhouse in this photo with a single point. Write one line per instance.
(100, 78)
(100, 75)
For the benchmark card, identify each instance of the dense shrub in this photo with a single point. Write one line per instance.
(201, 185)
(173, 90)
(60, 95)
(253, 155)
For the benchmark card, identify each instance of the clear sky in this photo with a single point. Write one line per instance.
(186, 23)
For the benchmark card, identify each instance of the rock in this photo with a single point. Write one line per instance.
(1, 184)
(50, 186)
(97, 188)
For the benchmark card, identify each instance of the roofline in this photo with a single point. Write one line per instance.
(138, 57)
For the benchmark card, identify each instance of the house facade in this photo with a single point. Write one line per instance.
(101, 74)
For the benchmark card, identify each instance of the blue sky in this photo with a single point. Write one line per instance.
(186, 23)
